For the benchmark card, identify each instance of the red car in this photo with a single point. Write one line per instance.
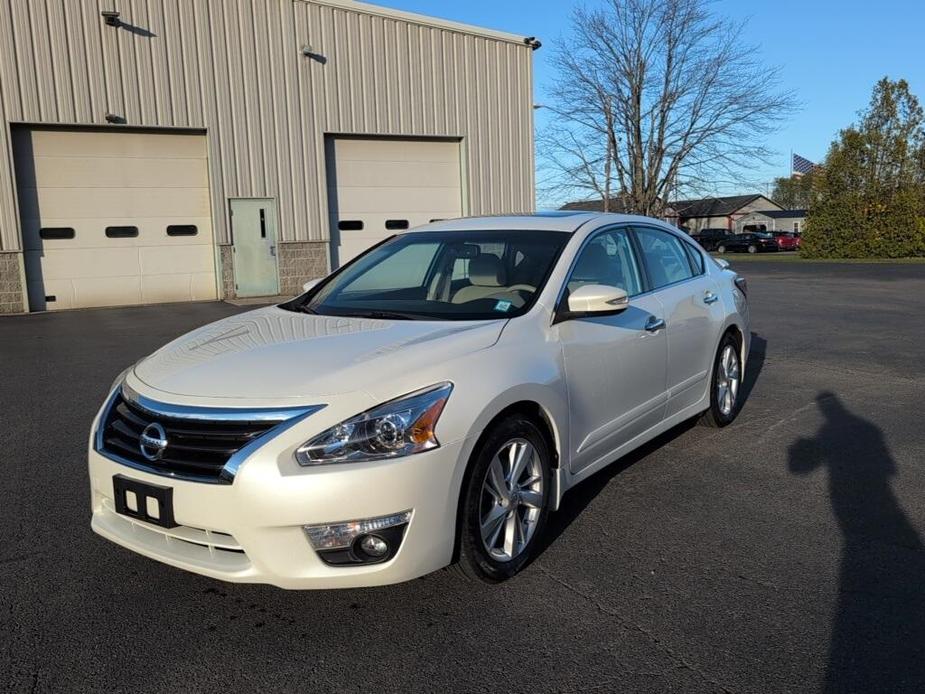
(786, 240)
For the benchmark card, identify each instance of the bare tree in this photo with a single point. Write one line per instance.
(655, 98)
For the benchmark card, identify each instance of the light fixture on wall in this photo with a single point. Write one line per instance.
(309, 52)
(111, 17)
(114, 119)
(533, 42)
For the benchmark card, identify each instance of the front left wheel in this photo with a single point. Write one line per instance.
(504, 505)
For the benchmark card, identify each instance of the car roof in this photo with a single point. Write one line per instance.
(558, 220)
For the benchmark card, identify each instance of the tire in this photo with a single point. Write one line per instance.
(722, 413)
(721, 249)
(488, 559)
(753, 249)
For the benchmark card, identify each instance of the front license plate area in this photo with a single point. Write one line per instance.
(150, 503)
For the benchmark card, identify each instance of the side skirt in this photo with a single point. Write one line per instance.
(567, 481)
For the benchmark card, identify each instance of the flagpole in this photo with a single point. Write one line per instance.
(791, 163)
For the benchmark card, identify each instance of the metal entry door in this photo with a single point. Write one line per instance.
(253, 230)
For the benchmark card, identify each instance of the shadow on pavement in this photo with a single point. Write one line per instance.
(878, 631)
(753, 365)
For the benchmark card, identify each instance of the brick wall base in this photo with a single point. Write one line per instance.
(11, 289)
(298, 263)
(227, 260)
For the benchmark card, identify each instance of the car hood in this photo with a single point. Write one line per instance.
(276, 354)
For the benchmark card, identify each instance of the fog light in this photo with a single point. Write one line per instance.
(374, 546)
(342, 535)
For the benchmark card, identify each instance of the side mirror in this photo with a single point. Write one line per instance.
(310, 284)
(598, 299)
(722, 263)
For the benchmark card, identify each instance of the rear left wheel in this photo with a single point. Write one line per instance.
(505, 501)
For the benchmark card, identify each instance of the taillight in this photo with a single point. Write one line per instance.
(742, 284)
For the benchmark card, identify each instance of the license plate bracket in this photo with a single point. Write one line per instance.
(163, 496)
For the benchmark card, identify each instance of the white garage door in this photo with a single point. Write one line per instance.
(377, 187)
(114, 218)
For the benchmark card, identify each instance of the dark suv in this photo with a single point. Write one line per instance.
(750, 243)
(711, 238)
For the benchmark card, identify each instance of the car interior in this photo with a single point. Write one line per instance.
(608, 260)
(496, 274)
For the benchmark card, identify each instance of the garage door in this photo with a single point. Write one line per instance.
(377, 187)
(113, 217)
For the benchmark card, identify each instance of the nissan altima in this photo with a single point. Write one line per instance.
(427, 404)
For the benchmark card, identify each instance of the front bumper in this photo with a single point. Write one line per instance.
(251, 531)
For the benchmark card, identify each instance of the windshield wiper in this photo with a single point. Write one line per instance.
(384, 315)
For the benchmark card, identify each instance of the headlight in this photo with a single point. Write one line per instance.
(396, 428)
(121, 377)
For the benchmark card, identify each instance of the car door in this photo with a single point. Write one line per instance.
(740, 242)
(615, 365)
(692, 309)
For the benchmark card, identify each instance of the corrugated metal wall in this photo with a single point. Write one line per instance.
(235, 68)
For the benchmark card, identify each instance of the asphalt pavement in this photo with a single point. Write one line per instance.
(782, 554)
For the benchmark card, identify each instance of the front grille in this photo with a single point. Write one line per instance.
(196, 448)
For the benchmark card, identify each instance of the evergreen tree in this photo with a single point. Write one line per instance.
(869, 198)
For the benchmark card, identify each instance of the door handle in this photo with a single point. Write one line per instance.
(653, 325)
(710, 298)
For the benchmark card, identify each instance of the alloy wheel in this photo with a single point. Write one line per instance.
(728, 375)
(511, 500)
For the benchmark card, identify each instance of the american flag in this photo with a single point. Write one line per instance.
(801, 165)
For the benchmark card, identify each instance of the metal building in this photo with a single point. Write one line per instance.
(173, 150)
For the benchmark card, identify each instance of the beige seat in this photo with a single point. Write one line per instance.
(487, 275)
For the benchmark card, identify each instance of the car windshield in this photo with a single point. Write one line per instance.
(442, 275)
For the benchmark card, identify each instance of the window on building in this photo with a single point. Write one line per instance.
(182, 230)
(56, 233)
(122, 232)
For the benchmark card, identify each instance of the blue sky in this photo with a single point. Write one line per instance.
(831, 52)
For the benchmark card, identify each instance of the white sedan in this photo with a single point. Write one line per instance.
(428, 403)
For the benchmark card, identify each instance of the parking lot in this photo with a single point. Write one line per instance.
(784, 553)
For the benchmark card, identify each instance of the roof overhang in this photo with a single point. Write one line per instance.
(425, 20)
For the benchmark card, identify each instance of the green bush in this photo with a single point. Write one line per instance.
(869, 197)
(853, 228)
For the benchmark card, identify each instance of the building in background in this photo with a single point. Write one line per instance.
(617, 205)
(718, 213)
(166, 150)
(772, 220)
(694, 215)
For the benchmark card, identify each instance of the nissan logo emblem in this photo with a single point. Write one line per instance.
(153, 441)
